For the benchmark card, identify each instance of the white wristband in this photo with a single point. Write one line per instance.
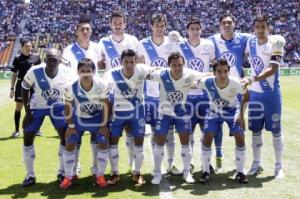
(71, 125)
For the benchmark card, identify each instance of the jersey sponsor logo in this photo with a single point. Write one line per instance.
(230, 57)
(116, 61)
(221, 103)
(257, 64)
(174, 96)
(159, 62)
(196, 64)
(130, 93)
(50, 95)
(89, 108)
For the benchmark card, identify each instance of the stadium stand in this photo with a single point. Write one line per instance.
(52, 23)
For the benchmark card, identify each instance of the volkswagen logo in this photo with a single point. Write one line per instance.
(174, 96)
(160, 62)
(50, 94)
(116, 61)
(230, 57)
(196, 64)
(89, 108)
(257, 64)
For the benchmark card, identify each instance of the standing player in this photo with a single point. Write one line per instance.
(198, 53)
(49, 81)
(265, 54)
(111, 49)
(229, 45)
(72, 54)
(224, 107)
(154, 51)
(88, 98)
(21, 65)
(174, 85)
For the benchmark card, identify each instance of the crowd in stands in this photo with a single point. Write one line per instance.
(59, 18)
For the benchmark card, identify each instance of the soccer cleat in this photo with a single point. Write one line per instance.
(28, 181)
(254, 170)
(15, 134)
(174, 171)
(187, 176)
(278, 174)
(39, 133)
(241, 178)
(113, 179)
(138, 179)
(66, 183)
(156, 178)
(163, 170)
(219, 168)
(60, 177)
(101, 182)
(204, 178)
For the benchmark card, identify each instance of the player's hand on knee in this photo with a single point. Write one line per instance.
(241, 122)
(27, 119)
(104, 130)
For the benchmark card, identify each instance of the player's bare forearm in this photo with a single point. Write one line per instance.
(267, 73)
(13, 80)
(68, 111)
(244, 103)
(101, 65)
(140, 59)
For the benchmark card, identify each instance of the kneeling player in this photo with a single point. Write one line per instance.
(49, 81)
(223, 91)
(88, 98)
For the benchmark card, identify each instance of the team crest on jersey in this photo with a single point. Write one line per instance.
(188, 80)
(89, 108)
(130, 93)
(230, 57)
(50, 95)
(221, 103)
(196, 64)
(174, 96)
(140, 77)
(159, 62)
(257, 64)
(116, 61)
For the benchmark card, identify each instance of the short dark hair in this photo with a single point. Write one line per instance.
(128, 53)
(157, 17)
(24, 41)
(261, 18)
(193, 20)
(118, 14)
(227, 15)
(220, 62)
(83, 20)
(175, 55)
(86, 62)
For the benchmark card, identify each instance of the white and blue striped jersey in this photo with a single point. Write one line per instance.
(222, 98)
(112, 50)
(127, 92)
(173, 92)
(232, 50)
(87, 103)
(73, 53)
(259, 58)
(47, 91)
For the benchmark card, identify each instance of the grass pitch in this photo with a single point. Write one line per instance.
(12, 169)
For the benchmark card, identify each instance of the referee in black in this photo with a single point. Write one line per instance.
(21, 64)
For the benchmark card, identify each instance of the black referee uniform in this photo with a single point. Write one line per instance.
(21, 65)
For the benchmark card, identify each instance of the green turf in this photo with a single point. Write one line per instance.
(222, 186)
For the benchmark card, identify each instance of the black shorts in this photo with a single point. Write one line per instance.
(18, 91)
(18, 88)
